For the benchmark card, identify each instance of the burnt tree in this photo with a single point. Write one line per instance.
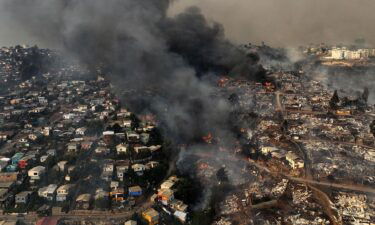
(335, 100)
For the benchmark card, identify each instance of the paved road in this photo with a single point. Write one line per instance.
(319, 195)
(105, 216)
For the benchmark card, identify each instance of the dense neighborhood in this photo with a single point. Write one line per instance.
(68, 145)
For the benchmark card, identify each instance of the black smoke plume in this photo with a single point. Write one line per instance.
(164, 64)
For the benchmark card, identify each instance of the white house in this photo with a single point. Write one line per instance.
(127, 123)
(72, 147)
(108, 133)
(36, 172)
(102, 150)
(139, 169)
(62, 165)
(34, 136)
(44, 158)
(81, 131)
(120, 170)
(108, 167)
(68, 116)
(48, 192)
(46, 131)
(63, 191)
(121, 149)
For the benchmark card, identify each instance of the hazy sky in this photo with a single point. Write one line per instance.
(291, 22)
(277, 22)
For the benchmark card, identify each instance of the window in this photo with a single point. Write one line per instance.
(35, 173)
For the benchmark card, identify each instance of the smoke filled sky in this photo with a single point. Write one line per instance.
(279, 23)
(290, 22)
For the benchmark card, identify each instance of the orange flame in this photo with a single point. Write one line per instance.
(148, 118)
(222, 82)
(208, 138)
(203, 166)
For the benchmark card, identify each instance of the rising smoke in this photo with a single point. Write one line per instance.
(156, 63)
(350, 82)
(142, 51)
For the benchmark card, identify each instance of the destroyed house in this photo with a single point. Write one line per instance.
(295, 161)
